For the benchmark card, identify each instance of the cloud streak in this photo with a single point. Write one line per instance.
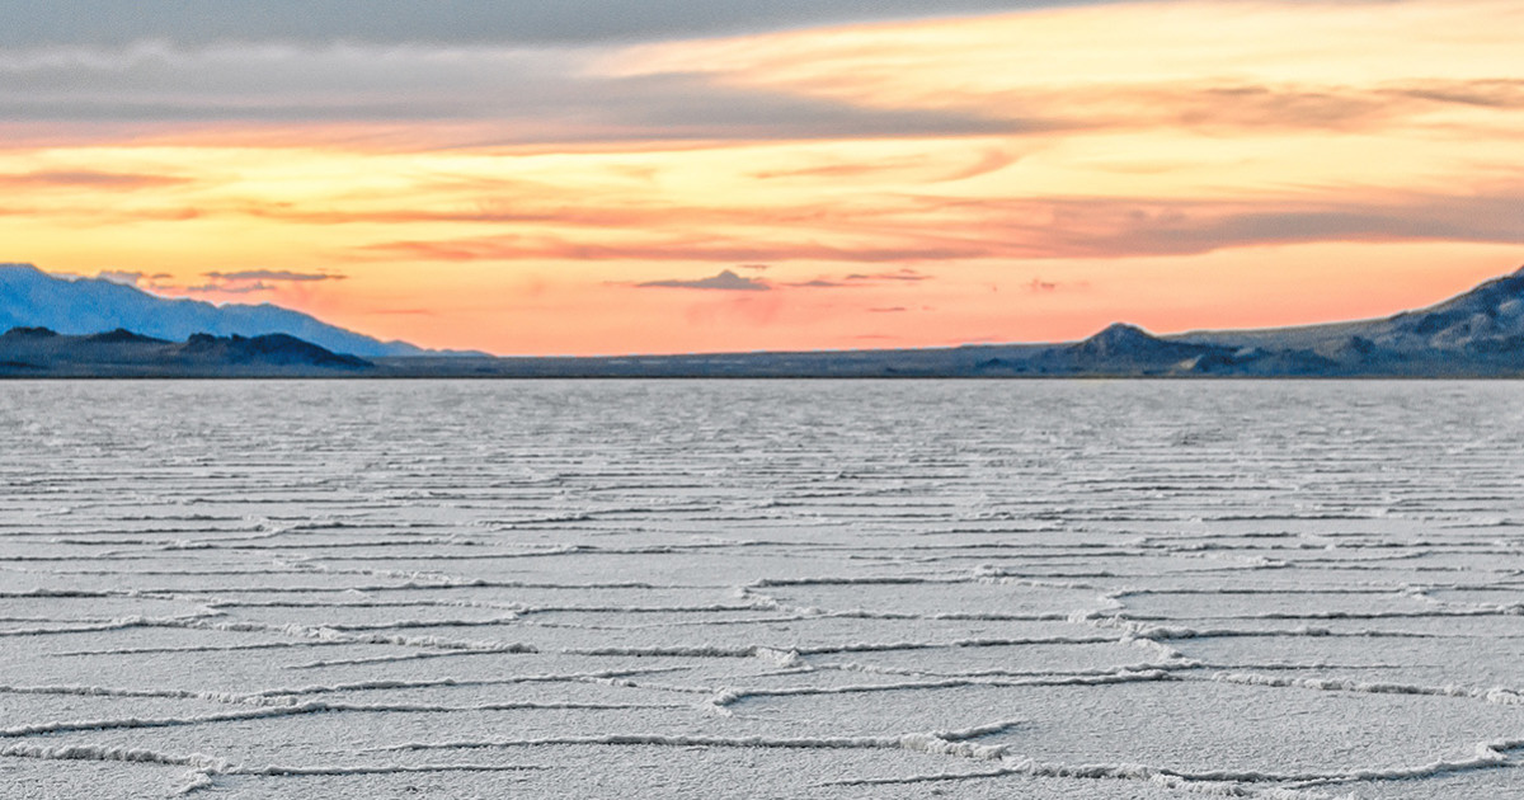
(277, 275)
(86, 179)
(475, 95)
(1037, 228)
(725, 281)
(453, 22)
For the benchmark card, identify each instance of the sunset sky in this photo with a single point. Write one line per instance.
(693, 175)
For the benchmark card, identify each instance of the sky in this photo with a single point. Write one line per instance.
(668, 176)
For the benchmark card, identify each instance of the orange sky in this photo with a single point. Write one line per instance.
(1010, 177)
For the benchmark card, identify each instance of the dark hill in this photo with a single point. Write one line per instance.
(120, 353)
(275, 348)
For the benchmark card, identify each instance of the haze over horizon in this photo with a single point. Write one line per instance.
(683, 176)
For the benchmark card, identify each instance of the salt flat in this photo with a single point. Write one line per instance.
(767, 589)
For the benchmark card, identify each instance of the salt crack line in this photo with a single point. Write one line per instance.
(128, 754)
(229, 698)
(1496, 695)
(392, 659)
(388, 769)
(1137, 630)
(873, 669)
(163, 722)
(286, 702)
(360, 627)
(1487, 755)
(728, 697)
(1243, 783)
(611, 677)
(205, 648)
(1128, 772)
(955, 743)
(330, 634)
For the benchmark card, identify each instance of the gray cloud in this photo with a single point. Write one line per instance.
(1066, 227)
(1200, 228)
(223, 288)
(725, 281)
(861, 280)
(120, 276)
(197, 22)
(900, 275)
(273, 275)
(500, 95)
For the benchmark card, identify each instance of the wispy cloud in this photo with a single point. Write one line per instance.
(121, 277)
(274, 275)
(725, 281)
(86, 179)
(228, 288)
(859, 280)
(444, 22)
(478, 95)
(255, 281)
(522, 248)
(905, 274)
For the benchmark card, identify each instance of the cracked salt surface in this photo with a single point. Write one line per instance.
(820, 589)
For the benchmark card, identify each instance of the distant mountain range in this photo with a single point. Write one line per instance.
(39, 352)
(30, 297)
(1477, 334)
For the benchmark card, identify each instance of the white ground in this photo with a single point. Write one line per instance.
(761, 589)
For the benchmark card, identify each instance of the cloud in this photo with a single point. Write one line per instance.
(470, 96)
(257, 280)
(443, 21)
(859, 280)
(842, 169)
(488, 87)
(274, 275)
(86, 179)
(225, 288)
(940, 229)
(121, 277)
(900, 275)
(518, 248)
(888, 310)
(725, 281)
(141, 280)
(1039, 286)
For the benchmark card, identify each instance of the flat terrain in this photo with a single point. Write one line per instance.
(610, 589)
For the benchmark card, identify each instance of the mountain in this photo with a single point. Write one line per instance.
(30, 297)
(1476, 334)
(42, 353)
(1479, 332)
